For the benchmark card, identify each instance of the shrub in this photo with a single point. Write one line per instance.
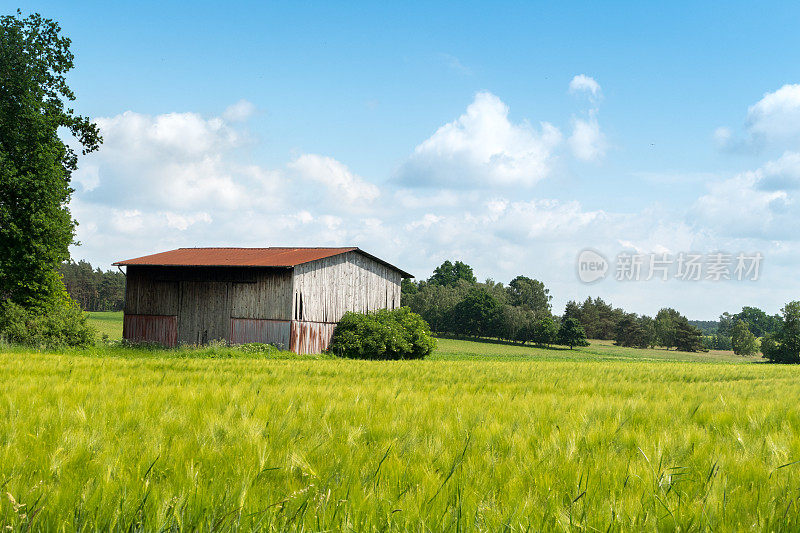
(53, 324)
(396, 334)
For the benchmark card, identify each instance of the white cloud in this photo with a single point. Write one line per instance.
(483, 148)
(335, 176)
(777, 114)
(175, 160)
(754, 204)
(587, 142)
(773, 121)
(425, 222)
(183, 222)
(585, 84)
(239, 112)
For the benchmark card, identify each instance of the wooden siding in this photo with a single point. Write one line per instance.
(269, 298)
(310, 337)
(150, 328)
(147, 294)
(204, 312)
(244, 330)
(204, 300)
(324, 290)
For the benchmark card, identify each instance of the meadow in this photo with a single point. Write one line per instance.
(481, 436)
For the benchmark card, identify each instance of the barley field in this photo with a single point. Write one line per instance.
(481, 436)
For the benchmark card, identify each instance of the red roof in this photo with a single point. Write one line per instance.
(245, 257)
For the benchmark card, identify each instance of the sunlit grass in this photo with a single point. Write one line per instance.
(106, 323)
(504, 440)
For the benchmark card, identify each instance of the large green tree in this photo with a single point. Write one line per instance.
(36, 165)
(449, 274)
(477, 314)
(530, 294)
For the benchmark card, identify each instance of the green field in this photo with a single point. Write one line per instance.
(107, 323)
(481, 436)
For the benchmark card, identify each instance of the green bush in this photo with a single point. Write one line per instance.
(396, 334)
(53, 324)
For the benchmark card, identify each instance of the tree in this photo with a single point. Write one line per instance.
(36, 166)
(783, 346)
(436, 303)
(571, 334)
(408, 286)
(36, 228)
(572, 310)
(448, 274)
(665, 327)
(634, 332)
(758, 322)
(530, 294)
(742, 339)
(94, 289)
(476, 314)
(544, 331)
(686, 337)
(511, 323)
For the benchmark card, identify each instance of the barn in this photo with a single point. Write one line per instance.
(291, 297)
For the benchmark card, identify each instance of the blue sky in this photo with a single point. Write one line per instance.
(508, 135)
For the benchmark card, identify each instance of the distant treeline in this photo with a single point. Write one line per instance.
(92, 288)
(452, 301)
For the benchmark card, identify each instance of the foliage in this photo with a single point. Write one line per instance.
(571, 333)
(783, 346)
(52, 324)
(449, 274)
(164, 443)
(529, 294)
(758, 322)
(719, 342)
(385, 334)
(519, 312)
(743, 341)
(687, 338)
(544, 331)
(707, 327)
(36, 166)
(477, 313)
(673, 330)
(664, 327)
(435, 303)
(94, 289)
(634, 331)
(598, 318)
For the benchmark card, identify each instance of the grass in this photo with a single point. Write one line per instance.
(479, 437)
(107, 323)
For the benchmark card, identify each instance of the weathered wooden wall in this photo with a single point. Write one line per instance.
(151, 328)
(205, 301)
(245, 330)
(311, 337)
(324, 290)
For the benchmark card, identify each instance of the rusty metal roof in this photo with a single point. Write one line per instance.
(246, 257)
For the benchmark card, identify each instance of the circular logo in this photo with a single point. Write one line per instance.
(591, 265)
